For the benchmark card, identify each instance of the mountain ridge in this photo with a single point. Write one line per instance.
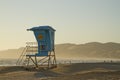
(70, 50)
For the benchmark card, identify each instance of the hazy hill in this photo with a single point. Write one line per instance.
(88, 50)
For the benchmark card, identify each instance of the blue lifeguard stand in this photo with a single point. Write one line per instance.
(44, 49)
(45, 39)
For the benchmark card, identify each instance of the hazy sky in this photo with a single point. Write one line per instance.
(75, 21)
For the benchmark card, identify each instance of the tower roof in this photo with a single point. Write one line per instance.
(41, 28)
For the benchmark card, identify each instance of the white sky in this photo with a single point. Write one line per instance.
(75, 21)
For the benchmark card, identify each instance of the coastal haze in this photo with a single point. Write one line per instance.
(87, 42)
(92, 50)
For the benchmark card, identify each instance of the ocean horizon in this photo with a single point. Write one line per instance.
(12, 62)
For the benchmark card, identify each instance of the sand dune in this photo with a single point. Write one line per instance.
(78, 71)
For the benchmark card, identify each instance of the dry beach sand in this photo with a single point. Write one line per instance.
(76, 71)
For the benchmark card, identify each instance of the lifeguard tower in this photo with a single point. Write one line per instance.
(42, 53)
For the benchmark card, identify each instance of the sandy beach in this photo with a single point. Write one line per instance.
(76, 71)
